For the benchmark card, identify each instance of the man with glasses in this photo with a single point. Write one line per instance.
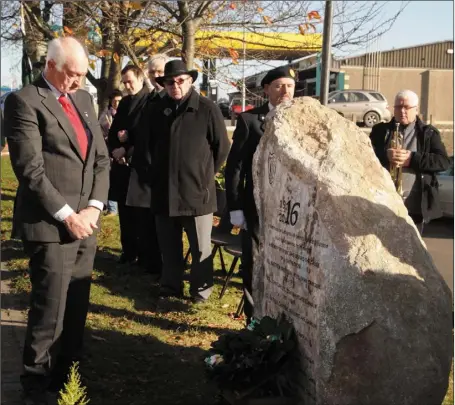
(188, 143)
(422, 156)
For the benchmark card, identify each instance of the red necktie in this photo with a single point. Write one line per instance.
(75, 120)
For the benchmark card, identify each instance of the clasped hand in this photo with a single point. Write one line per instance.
(399, 157)
(81, 225)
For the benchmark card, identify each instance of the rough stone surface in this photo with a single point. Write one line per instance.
(341, 258)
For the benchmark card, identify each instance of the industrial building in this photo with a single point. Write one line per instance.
(426, 69)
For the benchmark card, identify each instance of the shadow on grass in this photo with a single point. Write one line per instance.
(12, 249)
(151, 320)
(142, 370)
(136, 284)
(5, 197)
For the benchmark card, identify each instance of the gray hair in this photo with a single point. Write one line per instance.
(157, 58)
(60, 48)
(409, 95)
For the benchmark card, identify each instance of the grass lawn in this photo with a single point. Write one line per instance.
(140, 350)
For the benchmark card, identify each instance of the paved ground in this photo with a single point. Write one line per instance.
(12, 337)
(438, 237)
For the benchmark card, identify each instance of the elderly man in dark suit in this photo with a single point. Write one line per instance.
(279, 86)
(188, 143)
(61, 161)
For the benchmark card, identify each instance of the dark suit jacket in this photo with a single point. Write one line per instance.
(47, 161)
(127, 118)
(239, 177)
(187, 147)
(139, 194)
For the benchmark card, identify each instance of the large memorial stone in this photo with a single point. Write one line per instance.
(342, 259)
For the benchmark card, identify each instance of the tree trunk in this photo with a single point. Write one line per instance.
(113, 81)
(34, 44)
(189, 43)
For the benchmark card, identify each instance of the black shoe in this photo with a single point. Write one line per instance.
(197, 299)
(126, 260)
(168, 293)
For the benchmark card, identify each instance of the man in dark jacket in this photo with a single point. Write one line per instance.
(120, 143)
(138, 195)
(422, 156)
(279, 86)
(188, 143)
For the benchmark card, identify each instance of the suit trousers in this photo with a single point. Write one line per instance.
(129, 234)
(149, 252)
(250, 246)
(60, 275)
(199, 232)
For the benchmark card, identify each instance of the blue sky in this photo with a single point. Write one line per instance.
(421, 22)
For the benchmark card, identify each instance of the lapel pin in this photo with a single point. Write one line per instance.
(167, 111)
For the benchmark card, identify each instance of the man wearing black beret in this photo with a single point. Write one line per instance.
(279, 86)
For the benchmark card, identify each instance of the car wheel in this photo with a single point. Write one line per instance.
(371, 118)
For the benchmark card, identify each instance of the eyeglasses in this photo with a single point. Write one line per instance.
(178, 82)
(405, 107)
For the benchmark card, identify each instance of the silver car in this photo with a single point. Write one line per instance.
(445, 180)
(365, 106)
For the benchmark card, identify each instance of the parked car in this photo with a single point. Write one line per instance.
(236, 106)
(365, 106)
(445, 180)
(225, 109)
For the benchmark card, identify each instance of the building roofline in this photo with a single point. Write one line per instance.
(398, 49)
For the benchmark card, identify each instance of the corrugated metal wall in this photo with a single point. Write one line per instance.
(431, 56)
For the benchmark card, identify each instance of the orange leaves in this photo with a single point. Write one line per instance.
(234, 55)
(232, 6)
(116, 57)
(267, 20)
(68, 31)
(260, 10)
(313, 15)
(103, 53)
(136, 5)
(303, 28)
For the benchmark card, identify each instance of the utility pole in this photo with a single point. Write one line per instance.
(326, 52)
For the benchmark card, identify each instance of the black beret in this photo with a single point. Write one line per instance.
(277, 73)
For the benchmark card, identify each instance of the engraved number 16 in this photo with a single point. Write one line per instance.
(292, 214)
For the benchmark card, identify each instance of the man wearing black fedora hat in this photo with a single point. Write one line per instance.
(188, 143)
(279, 86)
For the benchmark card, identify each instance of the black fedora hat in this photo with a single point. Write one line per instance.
(174, 68)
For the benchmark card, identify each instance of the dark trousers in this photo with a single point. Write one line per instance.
(199, 231)
(129, 233)
(250, 246)
(149, 252)
(418, 222)
(60, 274)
